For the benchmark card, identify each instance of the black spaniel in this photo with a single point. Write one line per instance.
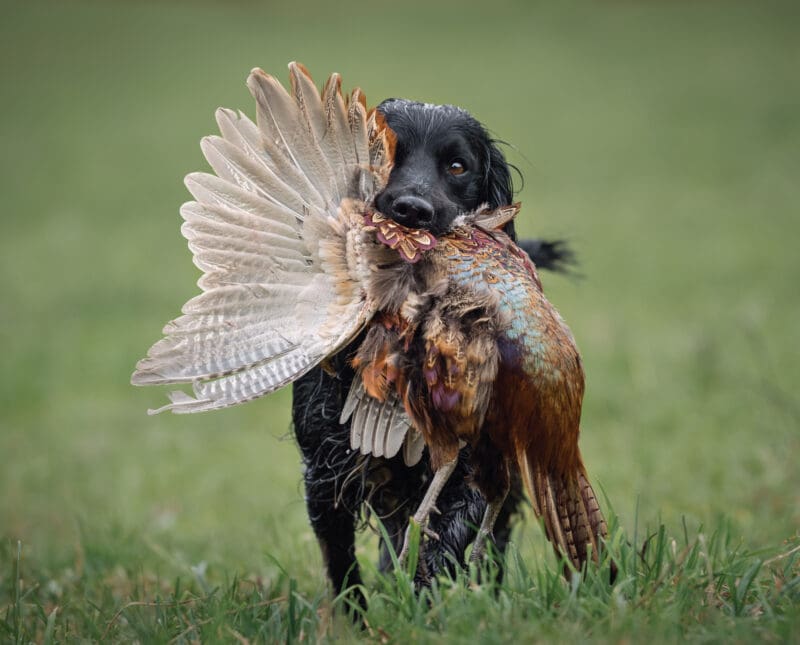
(445, 164)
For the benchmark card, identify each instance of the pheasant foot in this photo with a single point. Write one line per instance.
(487, 524)
(428, 505)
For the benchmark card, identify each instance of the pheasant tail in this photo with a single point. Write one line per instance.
(568, 505)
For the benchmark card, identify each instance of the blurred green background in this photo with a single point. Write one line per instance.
(661, 138)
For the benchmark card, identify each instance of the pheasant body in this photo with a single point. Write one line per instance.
(477, 354)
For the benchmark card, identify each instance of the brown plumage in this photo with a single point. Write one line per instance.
(461, 345)
(479, 356)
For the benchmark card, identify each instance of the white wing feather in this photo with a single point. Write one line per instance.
(283, 283)
(380, 428)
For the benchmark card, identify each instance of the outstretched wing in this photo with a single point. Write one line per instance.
(276, 233)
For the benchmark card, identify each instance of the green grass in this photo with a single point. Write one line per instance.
(703, 588)
(661, 138)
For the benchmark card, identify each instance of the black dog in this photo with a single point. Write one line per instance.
(445, 164)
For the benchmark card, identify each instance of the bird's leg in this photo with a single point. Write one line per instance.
(428, 503)
(493, 508)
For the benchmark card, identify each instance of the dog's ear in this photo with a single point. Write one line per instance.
(499, 187)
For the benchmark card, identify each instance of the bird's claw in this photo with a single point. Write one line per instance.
(424, 529)
(478, 551)
(479, 546)
(431, 533)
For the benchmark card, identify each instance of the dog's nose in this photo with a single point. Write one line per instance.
(412, 211)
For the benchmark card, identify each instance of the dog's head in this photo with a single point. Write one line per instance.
(445, 164)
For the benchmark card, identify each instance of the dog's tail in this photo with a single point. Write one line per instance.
(552, 255)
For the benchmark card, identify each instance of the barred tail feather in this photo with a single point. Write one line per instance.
(568, 506)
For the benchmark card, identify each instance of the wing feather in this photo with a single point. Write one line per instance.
(284, 120)
(379, 428)
(227, 223)
(413, 447)
(357, 120)
(233, 165)
(211, 191)
(338, 124)
(280, 247)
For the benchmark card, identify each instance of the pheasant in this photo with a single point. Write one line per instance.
(460, 346)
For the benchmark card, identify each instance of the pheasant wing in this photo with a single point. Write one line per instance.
(381, 428)
(275, 232)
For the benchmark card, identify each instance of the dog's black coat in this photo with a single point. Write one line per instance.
(445, 164)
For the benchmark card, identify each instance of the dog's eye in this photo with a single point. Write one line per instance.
(457, 167)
